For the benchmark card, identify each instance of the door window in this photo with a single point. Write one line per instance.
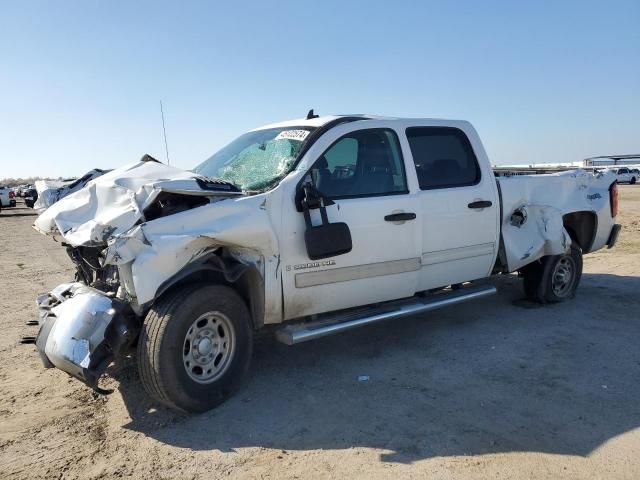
(443, 157)
(360, 164)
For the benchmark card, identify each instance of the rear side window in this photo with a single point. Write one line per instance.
(443, 157)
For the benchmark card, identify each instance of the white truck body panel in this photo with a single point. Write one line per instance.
(50, 191)
(546, 199)
(459, 244)
(110, 209)
(398, 260)
(387, 268)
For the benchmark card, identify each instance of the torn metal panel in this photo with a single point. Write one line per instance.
(157, 250)
(50, 191)
(81, 330)
(534, 206)
(113, 203)
(110, 214)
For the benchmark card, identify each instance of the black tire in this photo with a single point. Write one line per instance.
(532, 277)
(162, 347)
(541, 282)
(633, 180)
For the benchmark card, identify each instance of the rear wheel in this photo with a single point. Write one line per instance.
(554, 278)
(633, 180)
(195, 347)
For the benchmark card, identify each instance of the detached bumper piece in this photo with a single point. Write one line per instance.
(613, 236)
(82, 330)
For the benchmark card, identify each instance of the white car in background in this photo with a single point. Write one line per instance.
(626, 175)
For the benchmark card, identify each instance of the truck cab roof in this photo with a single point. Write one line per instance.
(325, 119)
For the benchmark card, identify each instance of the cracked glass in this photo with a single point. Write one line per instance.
(258, 160)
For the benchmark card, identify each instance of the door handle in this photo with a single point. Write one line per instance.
(400, 217)
(480, 204)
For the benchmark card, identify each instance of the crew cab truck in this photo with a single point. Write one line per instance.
(626, 175)
(304, 228)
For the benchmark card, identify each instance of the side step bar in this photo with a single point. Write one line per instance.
(302, 332)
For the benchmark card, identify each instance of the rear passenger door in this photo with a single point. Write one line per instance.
(458, 204)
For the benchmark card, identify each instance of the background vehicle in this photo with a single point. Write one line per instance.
(308, 227)
(20, 190)
(626, 175)
(30, 197)
(50, 191)
(7, 197)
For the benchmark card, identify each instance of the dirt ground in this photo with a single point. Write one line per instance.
(498, 388)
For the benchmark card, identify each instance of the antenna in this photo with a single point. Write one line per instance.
(164, 131)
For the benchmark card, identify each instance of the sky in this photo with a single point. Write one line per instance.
(81, 81)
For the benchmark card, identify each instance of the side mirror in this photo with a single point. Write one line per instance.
(328, 239)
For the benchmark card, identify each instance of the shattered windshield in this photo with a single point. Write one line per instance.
(256, 160)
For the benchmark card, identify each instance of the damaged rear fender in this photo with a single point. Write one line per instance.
(535, 231)
(544, 214)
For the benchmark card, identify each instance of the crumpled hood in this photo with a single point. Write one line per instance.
(50, 191)
(113, 203)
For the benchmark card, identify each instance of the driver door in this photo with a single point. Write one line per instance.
(363, 173)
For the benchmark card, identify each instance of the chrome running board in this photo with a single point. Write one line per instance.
(336, 323)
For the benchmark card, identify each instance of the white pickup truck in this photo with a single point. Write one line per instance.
(304, 228)
(625, 174)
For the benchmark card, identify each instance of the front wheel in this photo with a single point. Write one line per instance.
(633, 181)
(554, 278)
(195, 347)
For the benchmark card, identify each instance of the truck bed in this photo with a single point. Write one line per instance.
(542, 213)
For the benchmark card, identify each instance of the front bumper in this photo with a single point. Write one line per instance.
(82, 330)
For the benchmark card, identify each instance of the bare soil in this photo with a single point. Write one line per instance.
(498, 388)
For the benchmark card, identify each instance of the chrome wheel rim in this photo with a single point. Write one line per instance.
(208, 347)
(562, 278)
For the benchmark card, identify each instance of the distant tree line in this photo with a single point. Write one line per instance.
(10, 181)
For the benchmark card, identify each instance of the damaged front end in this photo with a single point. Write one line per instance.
(132, 234)
(82, 329)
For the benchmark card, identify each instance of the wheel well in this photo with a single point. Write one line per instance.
(248, 283)
(582, 227)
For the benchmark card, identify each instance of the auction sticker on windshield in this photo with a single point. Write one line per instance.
(293, 135)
